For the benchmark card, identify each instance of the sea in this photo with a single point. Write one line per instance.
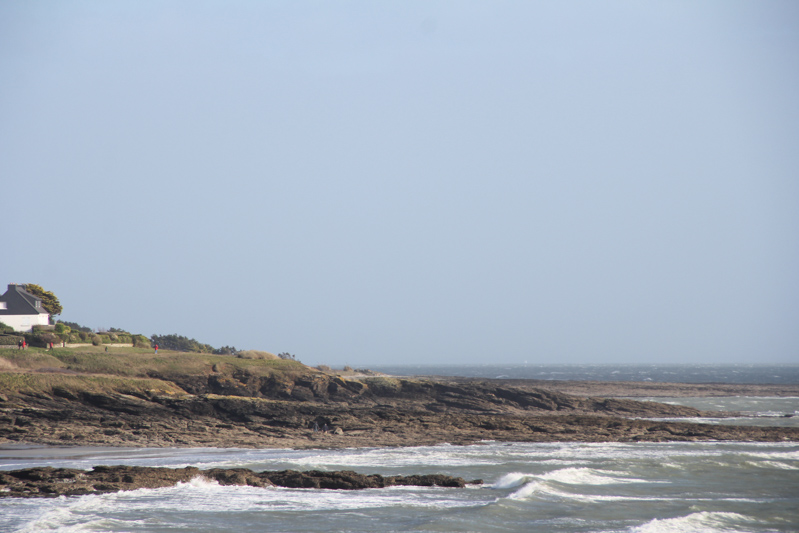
(554, 487)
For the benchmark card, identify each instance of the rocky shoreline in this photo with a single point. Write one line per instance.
(364, 413)
(641, 389)
(328, 411)
(53, 482)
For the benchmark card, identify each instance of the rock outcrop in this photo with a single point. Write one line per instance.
(378, 411)
(50, 482)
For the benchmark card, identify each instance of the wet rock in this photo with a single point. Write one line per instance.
(51, 482)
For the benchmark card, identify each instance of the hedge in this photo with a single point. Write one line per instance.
(42, 339)
(9, 340)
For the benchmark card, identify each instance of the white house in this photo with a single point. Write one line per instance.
(21, 310)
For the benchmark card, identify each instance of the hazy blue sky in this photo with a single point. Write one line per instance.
(423, 182)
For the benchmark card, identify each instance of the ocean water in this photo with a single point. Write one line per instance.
(753, 411)
(636, 488)
(559, 487)
(775, 374)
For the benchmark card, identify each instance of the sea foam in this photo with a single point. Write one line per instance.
(702, 522)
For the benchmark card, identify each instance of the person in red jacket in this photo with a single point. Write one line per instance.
(156, 348)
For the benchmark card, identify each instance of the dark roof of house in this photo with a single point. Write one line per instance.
(20, 302)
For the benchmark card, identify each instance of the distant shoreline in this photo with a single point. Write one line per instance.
(776, 374)
(640, 389)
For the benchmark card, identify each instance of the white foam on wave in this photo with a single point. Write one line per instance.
(568, 476)
(201, 495)
(66, 514)
(443, 455)
(782, 455)
(546, 486)
(51, 520)
(526, 491)
(200, 482)
(702, 522)
(512, 480)
(779, 465)
(588, 476)
(545, 490)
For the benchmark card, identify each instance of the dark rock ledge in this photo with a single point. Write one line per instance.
(51, 482)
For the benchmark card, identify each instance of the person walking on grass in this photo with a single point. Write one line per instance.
(156, 349)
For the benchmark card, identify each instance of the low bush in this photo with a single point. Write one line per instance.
(75, 326)
(97, 340)
(179, 343)
(42, 339)
(5, 328)
(226, 350)
(255, 354)
(140, 341)
(9, 340)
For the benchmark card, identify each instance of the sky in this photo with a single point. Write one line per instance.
(410, 182)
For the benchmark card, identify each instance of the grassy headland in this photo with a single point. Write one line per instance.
(117, 395)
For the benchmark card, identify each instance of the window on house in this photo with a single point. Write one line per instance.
(38, 303)
(3, 305)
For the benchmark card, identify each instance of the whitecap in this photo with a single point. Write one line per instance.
(701, 522)
(588, 476)
(200, 482)
(527, 490)
(779, 465)
(512, 480)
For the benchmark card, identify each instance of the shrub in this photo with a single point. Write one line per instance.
(113, 337)
(226, 350)
(42, 339)
(75, 326)
(97, 340)
(324, 368)
(4, 328)
(286, 355)
(180, 343)
(84, 336)
(255, 354)
(62, 328)
(140, 341)
(9, 340)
